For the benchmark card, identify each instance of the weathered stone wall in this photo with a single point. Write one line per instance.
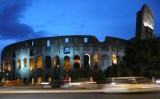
(77, 49)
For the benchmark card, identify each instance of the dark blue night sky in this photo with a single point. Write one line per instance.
(28, 19)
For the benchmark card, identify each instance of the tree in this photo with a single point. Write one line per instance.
(142, 57)
(99, 76)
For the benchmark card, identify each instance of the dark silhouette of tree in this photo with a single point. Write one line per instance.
(142, 57)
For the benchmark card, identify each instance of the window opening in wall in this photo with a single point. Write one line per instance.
(31, 52)
(25, 44)
(19, 63)
(85, 40)
(47, 78)
(9, 66)
(13, 64)
(76, 62)
(66, 50)
(56, 61)
(39, 80)
(48, 62)
(48, 43)
(40, 62)
(67, 64)
(114, 59)
(4, 66)
(66, 40)
(32, 43)
(95, 61)
(25, 62)
(31, 64)
(86, 61)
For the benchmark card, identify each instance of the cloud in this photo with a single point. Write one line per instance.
(10, 27)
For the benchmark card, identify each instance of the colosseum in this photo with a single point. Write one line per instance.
(37, 58)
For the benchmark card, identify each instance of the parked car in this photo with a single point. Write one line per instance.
(130, 84)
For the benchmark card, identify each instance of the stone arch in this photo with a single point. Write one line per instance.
(31, 80)
(48, 62)
(67, 64)
(25, 62)
(9, 66)
(105, 62)
(56, 62)
(86, 61)
(25, 80)
(31, 52)
(19, 63)
(39, 80)
(31, 67)
(40, 62)
(5, 66)
(14, 65)
(77, 62)
(47, 76)
(114, 59)
(96, 59)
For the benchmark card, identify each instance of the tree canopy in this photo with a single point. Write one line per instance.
(142, 57)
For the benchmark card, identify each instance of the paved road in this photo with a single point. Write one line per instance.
(77, 94)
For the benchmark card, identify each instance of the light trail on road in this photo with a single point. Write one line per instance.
(16, 91)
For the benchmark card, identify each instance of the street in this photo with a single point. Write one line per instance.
(71, 94)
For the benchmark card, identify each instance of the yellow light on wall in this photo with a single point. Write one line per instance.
(39, 80)
(114, 59)
(31, 64)
(40, 63)
(67, 64)
(9, 66)
(49, 79)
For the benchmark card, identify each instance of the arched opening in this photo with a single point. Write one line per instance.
(13, 64)
(31, 52)
(56, 61)
(39, 80)
(95, 61)
(19, 63)
(48, 62)
(40, 62)
(105, 62)
(76, 62)
(86, 61)
(31, 80)
(114, 59)
(3, 66)
(25, 80)
(67, 64)
(9, 66)
(31, 67)
(47, 78)
(25, 62)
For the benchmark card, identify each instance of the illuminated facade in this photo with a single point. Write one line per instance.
(145, 23)
(36, 59)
